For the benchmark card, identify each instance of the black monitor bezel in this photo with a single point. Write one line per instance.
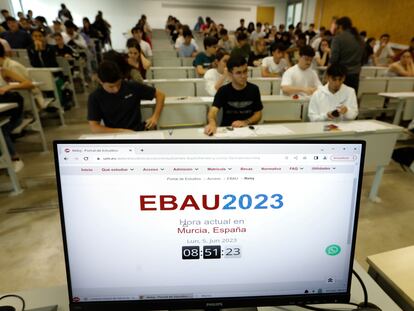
(208, 303)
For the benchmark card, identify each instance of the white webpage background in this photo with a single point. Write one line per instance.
(113, 244)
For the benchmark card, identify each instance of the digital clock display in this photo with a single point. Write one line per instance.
(210, 252)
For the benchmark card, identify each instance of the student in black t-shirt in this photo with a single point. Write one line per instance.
(240, 100)
(62, 49)
(117, 103)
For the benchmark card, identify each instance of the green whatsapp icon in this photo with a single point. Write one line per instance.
(333, 250)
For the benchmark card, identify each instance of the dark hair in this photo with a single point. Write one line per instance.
(236, 61)
(301, 36)
(57, 34)
(346, 24)
(135, 29)
(363, 33)
(241, 36)
(132, 42)
(70, 24)
(187, 33)
(223, 32)
(385, 35)
(321, 52)
(277, 46)
(291, 27)
(2, 51)
(258, 24)
(39, 29)
(368, 51)
(10, 19)
(109, 72)
(250, 27)
(307, 50)
(209, 41)
(4, 11)
(221, 53)
(242, 20)
(41, 19)
(336, 70)
(327, 33)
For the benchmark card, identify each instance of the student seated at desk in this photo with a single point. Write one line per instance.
(216, 77)
(187, 48)
(40, 53)
(15, 114)
(240, 100)
(137, 61)
(62, 49)
(16, 67)
(275, 65)
(205, 60)
(301, 79)
(116, 103)
(404, 67)
(334, 100)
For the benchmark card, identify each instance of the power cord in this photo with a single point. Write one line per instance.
(365, 305)
(15, 296)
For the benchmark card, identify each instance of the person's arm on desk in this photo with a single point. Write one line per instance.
(292, 90)
(211, 126)
(254, 119)
(22, 83)
(151, 123)
(97, 128)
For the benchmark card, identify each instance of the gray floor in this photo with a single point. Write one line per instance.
(31, 252)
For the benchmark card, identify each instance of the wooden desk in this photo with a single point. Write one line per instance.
(402, 100)
(58, 295)
(380, 137)
(275, 107)
(394, 272)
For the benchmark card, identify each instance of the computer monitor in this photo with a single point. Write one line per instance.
(164, 224)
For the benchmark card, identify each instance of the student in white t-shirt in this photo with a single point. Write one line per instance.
(180, 39)
(216, 77)
(383, 51)
(277, 64)
(137, 33)
(335, 100)
(301, 79)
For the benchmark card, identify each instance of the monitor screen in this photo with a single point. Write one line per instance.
(208, 224)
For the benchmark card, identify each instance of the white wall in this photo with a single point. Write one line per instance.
(280, 14)
(308, 14)
(124, 14)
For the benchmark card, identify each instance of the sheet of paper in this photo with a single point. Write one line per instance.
(206, 99)
(361, 126)
(274, 130)
(235, 133)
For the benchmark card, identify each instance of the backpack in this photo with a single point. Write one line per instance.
(404, 156)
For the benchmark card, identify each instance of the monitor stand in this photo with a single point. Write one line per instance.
(219, 309)
(369, 307)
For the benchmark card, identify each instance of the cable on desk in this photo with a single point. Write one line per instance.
(364, 289)
(15, 296)
(363, 305)
(324, 309)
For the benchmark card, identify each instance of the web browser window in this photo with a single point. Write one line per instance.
(199, 220)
